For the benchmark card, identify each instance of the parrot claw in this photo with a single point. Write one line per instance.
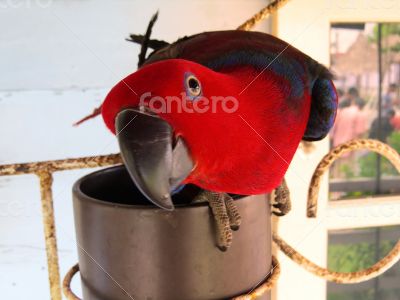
(282, 204)
(233, 213)
(226, 216)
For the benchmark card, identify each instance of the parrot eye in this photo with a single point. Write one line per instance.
(192, 85)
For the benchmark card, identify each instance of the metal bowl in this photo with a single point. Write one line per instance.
(130, 249)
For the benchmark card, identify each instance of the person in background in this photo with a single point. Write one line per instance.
(350, 121)
(386, 126)
(395, 121)
(391, 99)
(353, 95)
(342, 99)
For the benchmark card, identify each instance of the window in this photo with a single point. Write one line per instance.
(365, 58)
(351, 218)
(356, 249)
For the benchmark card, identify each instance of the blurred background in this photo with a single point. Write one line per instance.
(59, 58)
(365, 58)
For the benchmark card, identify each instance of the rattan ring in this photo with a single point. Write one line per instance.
(353, 277)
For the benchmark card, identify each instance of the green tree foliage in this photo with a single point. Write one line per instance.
(388, 29)
(368, 162)
(356, 257)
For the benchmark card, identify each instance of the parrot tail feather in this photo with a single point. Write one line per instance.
(146, 39)
(153, 44)
(323, 109)
(95, 113)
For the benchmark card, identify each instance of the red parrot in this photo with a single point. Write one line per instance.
(222, 110)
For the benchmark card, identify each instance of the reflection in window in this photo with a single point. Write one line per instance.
(355, 250)
(365, 59)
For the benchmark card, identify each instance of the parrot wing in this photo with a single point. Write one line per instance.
(222, 49)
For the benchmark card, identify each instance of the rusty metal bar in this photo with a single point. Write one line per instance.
(262, 14)
(46, 180)
(44, 170)
(324, 165)
(69, 294)
(60, 165)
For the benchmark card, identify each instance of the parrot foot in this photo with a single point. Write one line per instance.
(233, 213)
(282, 204)
(226, 216)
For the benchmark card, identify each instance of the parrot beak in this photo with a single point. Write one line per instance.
(156, 162)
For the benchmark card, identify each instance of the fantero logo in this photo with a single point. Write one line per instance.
(186, 104)
(4, 4)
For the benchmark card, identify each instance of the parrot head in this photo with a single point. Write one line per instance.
(180, 122)
(160, 115)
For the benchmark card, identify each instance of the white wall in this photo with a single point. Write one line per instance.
(58, 59)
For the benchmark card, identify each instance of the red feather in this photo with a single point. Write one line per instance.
(245, 152)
